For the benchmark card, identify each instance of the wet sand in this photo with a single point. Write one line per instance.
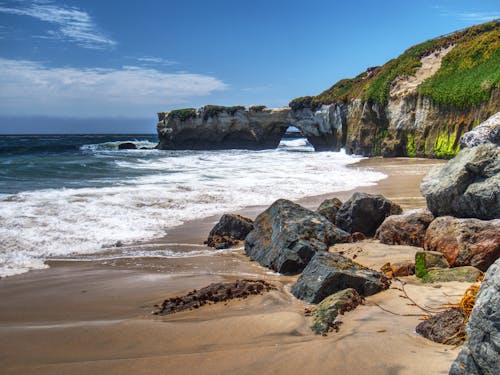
(95, 317)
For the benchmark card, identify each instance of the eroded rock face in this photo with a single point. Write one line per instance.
(465, 242)
(405, 229)
(328, 273)
(286, 236)
(486, 132)
(213, 127)
(365, 212)
(466, 186)
(229, 230)
(480, 354)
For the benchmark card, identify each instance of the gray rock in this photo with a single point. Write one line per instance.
(328, 208)
(326, 312)
(405, 229)
(229, 230)
(364, 213)
(465, 242)
(286, 236)
(466, 186)
(466, 274)
(480, 354)
(328, 273)
(486, 132)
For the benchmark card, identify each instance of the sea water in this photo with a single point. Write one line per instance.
(66, 195)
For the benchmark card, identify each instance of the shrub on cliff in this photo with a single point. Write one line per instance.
(467, 75)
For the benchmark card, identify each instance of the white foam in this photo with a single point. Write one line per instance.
(177, 187)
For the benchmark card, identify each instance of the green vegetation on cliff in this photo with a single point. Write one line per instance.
(467, 75)
(182, 114)
(214, 110)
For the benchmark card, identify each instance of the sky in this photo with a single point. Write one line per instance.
(95, 60)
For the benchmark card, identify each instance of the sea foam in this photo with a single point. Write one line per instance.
(171, 188)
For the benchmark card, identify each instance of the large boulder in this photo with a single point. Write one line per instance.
(325, 314)
(127, 146)
(328, 273)
(480, 354)
(365, 212)
(466, 186)
(465, 242)
(329, 207)
(425, 260)
(405, 229)
(464, 274)
(286, 236)
(486, 132)
(228, 231)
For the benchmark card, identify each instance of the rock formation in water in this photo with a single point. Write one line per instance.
(418, 104)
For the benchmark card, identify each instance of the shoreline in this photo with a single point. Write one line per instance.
(95, 317)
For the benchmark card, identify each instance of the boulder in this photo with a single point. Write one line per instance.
(486, 132)
(468, 186)
(465, 242)
(443, 326)
(480, 354)
(465, 274)
(425, 260)
(405, 229)
(127, 146)
(328, 273)
(329, 207)
(286, 236)
(228, 231)
(364, 213)
(326, 312)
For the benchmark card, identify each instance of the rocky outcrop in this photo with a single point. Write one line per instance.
(286, 236)
(325, 314)
(466, 186)
(480, 354)
(364, 213)
(229, 231)
(216, 127)
(328, 208)
(328, 273)
(486, 132)
(465, 242)
(405, 229)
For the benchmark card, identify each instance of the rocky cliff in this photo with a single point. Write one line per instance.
(217, 127)
(418, 104)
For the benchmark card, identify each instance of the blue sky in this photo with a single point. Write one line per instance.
(131, 59)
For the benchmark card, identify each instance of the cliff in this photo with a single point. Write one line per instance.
(418, 104)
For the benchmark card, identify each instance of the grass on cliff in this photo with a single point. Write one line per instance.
(467, 75)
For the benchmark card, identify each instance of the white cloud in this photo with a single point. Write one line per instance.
(478, 16)
(149, 60)
(28, 87)
(73, 24)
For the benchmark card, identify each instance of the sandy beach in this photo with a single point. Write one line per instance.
(95, 317)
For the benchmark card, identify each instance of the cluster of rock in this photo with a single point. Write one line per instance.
(229, 231)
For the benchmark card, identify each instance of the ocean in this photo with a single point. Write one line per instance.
(63, 196)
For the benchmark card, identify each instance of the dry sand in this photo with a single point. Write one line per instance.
(93, 318)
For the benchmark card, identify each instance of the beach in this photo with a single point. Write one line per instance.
(96, 316)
